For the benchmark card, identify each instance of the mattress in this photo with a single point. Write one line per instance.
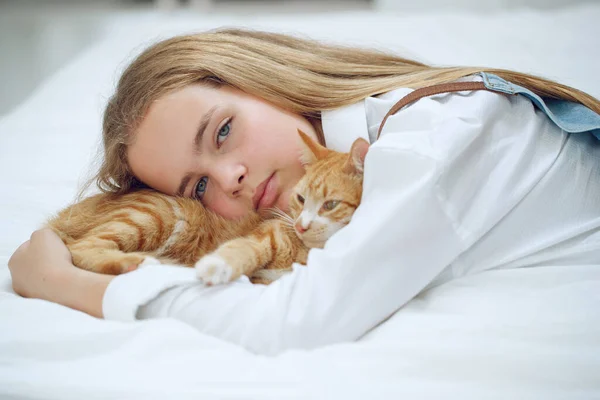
(524, 333)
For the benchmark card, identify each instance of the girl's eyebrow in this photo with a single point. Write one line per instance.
(183, 185)
(202, 127)
(196, 146)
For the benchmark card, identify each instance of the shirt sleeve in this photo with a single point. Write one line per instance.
(400, 238)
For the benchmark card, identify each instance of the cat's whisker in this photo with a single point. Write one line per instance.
(281, 215)
(285, 216)
(275, 211)
(289, 224)
(287, 219)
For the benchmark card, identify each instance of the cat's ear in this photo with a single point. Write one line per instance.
(356, 157)
(311, 151)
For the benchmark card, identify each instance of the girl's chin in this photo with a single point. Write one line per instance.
(283, 202)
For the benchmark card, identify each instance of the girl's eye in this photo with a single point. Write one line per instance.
(223, 133)
(330, 205)
(201, 188)
(300, 199)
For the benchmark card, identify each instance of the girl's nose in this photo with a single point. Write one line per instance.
(232, 178)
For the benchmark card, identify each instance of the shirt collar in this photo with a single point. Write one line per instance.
(342, 126)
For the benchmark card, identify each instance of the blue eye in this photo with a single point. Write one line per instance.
(223, 132)
(201, 187)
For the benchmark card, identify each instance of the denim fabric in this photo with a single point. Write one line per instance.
(569, 116)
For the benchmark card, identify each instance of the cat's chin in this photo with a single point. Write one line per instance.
(313, 244)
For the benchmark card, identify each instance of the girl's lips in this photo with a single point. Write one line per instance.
(266, 193)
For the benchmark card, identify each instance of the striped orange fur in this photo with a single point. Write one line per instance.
(113, 234)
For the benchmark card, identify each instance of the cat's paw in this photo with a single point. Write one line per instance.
(213, 270)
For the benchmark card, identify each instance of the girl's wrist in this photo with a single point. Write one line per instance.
(81, 290)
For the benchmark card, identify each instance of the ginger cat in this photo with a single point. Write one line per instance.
(322, 203)
(114, 234)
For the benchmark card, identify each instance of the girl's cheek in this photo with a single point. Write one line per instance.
(229, 209)
(284, 201)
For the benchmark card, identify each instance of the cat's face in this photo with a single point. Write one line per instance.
(325, 199)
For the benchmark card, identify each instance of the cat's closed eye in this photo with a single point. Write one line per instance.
(300, 199)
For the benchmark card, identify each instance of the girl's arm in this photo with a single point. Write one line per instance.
(427, 198)
(42, 268)
(399, 240)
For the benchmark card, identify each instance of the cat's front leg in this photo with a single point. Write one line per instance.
(230, 261)
(241, 256)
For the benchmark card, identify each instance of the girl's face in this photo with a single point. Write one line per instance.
(233, 152)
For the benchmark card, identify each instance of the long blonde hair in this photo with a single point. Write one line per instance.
(300, 75)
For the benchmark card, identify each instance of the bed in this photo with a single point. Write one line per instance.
(527, 333)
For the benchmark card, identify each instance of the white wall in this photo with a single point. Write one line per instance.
(34, 46)
(473, 5)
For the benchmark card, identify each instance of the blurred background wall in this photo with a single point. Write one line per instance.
(37, 37)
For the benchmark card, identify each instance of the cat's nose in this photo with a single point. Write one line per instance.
(301, 229)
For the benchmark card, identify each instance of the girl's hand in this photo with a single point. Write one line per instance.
(37, 265)
(42, 268)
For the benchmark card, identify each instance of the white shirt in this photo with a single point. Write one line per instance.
(457, 184)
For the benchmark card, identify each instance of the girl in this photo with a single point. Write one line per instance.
(457, 183)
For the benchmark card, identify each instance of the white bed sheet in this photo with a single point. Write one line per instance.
(530, 333)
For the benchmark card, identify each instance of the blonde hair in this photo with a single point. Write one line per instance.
(300, 75)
